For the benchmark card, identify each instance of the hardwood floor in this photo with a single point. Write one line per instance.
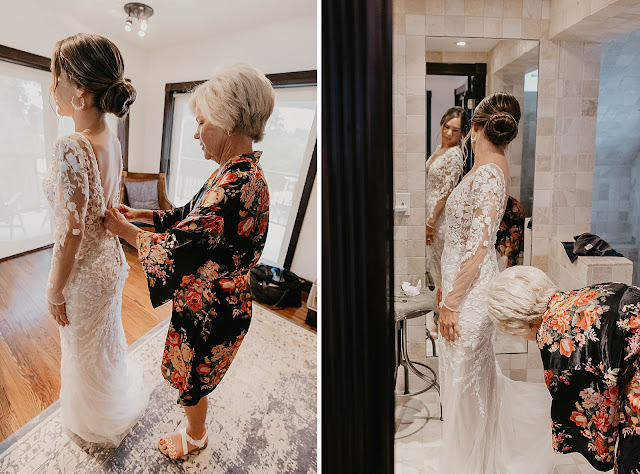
(30, 340)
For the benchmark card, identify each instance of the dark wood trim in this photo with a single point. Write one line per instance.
(167, 131)
(123, 136)
(302, 208)
(23, 58)
(285, 79)
(428, 105)
(4, 259)
(456, 69)
(306, 287)
(357, 237)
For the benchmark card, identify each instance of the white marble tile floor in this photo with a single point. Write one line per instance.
(418, 439)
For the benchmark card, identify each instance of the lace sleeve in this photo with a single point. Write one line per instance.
(448, 175)
(69, 208)
(488, 191)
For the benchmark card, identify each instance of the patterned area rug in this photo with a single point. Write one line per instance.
(261, 418)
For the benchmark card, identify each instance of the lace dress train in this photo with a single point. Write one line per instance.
(102, 394)
(492, 425)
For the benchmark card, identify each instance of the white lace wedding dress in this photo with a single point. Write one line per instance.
(443, 173)
(101, 395)
(491, 423)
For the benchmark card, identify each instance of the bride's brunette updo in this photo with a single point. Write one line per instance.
(94, 64)
(498, 115)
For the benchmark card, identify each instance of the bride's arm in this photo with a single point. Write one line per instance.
(448, 180)
(489, 193)
(70, 207)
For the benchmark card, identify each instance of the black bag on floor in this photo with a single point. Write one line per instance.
(275, 286)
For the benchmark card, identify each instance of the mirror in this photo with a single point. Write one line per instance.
(461, 72)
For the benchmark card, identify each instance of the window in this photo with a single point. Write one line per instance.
(288, 148)
(29, 126)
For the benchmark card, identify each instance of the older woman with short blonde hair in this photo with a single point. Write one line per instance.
(589, 340)
(201, 253)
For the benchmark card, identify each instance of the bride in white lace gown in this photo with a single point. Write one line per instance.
(491, 423)
(101, 394)
(443, 170)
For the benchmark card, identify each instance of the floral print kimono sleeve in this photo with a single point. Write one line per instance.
(487, 208)
(165, 220)
(590, 346)
(167, 257)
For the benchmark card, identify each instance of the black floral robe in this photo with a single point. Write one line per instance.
(200, 258)
(590, 345)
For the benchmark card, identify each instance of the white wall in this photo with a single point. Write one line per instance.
(304, 262)
(442, 89)
(275, 48)
(45, 27)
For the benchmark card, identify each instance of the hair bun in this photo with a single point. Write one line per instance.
(501, 128)
(118, 97)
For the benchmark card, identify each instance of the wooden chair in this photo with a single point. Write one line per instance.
(163, 200)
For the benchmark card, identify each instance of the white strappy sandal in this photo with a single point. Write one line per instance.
(171, 449)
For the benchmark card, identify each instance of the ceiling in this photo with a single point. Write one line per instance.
(474, 45)
(178, 21)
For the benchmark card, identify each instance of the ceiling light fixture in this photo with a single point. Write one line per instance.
(140, 12)
(461, 43)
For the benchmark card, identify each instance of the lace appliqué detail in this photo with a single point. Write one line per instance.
(443, 174)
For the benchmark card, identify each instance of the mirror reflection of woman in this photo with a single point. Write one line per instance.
(492, 424)
(443, 170)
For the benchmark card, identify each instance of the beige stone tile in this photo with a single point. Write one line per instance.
(400, 249)
(414, 65)
(416, 144)
(398, 104)
(474, 7)
(415, 85)
(532, 9)
(435, 7)
(474, 27)
(417, 196)
(494, 8)
(415, 24)
(545, 126)
(416, 124)
(399, 162)
(415, 105)
(399, 24)
(415, 232)
(416, 180)
(590, 88)
(417, 249)
(531, 28)
(512, 9)
(511, 28)
(454, 7)
(434, 25)
(415, 46)
(400, 180)
(399, 124)
(398, 45)
(493, 27)
(399, 143)
(416, 7)
(415, 162)
(399, 85)
(399, 6)
(454, 25)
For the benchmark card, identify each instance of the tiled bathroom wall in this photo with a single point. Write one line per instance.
(616, 205)
(568, 87)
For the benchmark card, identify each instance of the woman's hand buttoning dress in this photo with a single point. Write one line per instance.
(200, 255)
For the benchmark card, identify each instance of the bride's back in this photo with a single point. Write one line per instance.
(106, 148)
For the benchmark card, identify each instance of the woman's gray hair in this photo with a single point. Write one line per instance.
(238, 98)
(517, 299)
